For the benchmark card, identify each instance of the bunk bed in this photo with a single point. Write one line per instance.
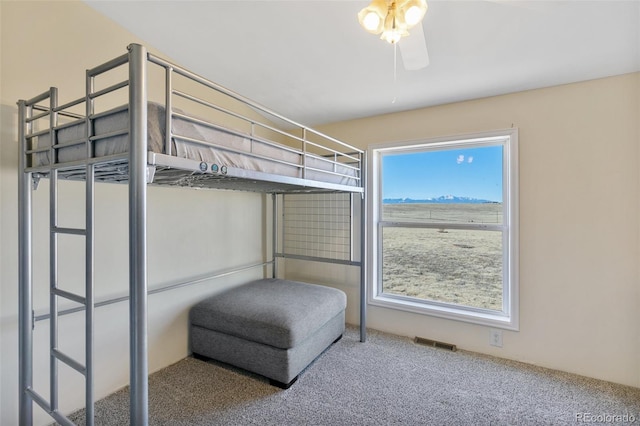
(189, 138)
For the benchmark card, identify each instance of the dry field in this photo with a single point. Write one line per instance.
(446, 265)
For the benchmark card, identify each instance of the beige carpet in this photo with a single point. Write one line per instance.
(387, 380)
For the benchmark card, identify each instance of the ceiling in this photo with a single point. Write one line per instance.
(311, 60)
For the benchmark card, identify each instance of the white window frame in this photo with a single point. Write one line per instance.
(509, 317)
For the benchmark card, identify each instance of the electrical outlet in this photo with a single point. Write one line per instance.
(496, 338)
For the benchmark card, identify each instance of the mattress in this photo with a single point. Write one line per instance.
(222, 147)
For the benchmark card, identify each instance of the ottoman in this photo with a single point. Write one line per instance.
(271, 327)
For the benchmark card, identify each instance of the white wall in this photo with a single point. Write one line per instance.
(579, 223)
(191, 232)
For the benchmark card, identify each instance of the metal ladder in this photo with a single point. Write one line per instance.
(55, 291)
(136, 58)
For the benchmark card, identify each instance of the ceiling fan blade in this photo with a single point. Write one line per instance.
(414, 49)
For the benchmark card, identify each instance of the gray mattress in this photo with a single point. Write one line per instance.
(231, 150)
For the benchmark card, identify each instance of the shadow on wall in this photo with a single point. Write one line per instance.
(9, 140)
(8, 258)
(8, 213)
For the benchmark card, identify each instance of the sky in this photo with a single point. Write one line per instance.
(468, 172)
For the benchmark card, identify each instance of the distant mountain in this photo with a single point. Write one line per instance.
(444, 199)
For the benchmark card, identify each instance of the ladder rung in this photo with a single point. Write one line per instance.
(38, 399)
(72, 231)
(57, 416)
(71, 296)
(69, 361)
(61, 418)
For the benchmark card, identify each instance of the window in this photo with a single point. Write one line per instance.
(444, 228)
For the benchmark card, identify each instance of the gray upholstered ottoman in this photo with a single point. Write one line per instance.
(271, 327)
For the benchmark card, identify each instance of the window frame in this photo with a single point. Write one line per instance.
(509, 317)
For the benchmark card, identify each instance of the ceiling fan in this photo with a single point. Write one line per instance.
(393, 19)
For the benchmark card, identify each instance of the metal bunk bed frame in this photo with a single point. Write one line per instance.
(137, 168)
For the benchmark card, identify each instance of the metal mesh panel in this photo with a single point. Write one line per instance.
(317, 225)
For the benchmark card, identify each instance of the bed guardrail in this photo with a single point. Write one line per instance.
(171, 68)
(339, 158)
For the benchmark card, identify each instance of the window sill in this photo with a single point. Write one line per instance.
(447, 311)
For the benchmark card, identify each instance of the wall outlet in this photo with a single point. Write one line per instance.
(495, 338)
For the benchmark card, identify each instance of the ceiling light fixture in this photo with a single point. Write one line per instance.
(392, 18)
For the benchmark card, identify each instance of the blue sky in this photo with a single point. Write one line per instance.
(470, 172)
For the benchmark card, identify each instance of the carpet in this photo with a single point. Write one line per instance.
(386, 381)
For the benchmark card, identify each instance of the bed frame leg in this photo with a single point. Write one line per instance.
(25, 294)
(138, 367)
